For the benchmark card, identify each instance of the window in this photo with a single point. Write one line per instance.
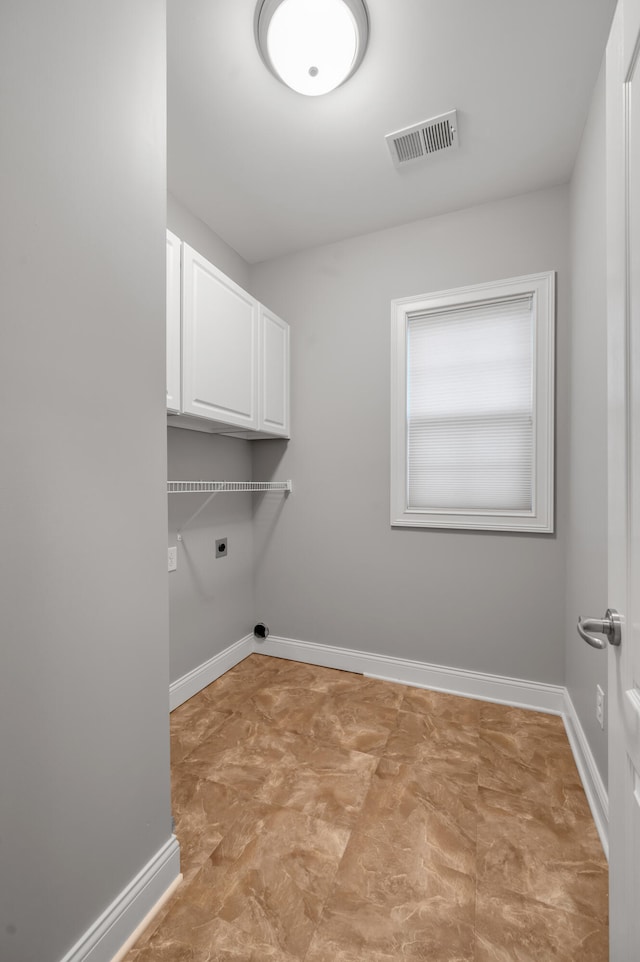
(472, 407)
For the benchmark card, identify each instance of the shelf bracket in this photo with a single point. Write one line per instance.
(195, 514)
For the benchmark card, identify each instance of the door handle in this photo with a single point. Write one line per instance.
(610, 625)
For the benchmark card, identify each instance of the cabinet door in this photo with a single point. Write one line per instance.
(274, 374)
(219, 345)
(173, 322)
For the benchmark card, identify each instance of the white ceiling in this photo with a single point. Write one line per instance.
(272, 171)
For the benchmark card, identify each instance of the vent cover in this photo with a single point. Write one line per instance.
(421, 140)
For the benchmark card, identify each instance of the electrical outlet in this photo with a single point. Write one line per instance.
(222, 546)
(600, 705)
(172, 558)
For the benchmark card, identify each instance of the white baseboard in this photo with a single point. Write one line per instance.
(594, 788)
(418, 674)
(553, 699)
(194, 681)
(114, 928)
(147, 920)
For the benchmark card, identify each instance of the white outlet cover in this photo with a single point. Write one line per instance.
(172, 558)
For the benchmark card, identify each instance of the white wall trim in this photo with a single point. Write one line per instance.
(194, 681)
(114, 928)
(456, 681)
(537, 696)
(553, 699)
(594, 787)
(147, 920)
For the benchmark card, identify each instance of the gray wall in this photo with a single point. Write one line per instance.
(331, 569)
(587, 504)
(83, 707)
(210, 600)
(195, 232)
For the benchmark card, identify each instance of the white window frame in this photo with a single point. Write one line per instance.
(540, 518)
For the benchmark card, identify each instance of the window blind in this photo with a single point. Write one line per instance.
(470, 431)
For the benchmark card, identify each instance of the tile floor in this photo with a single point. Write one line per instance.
(328, 817)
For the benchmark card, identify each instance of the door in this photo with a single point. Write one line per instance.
(274, 374)
(623, 323)
(219, 345)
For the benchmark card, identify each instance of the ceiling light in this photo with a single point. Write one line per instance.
(312, 45)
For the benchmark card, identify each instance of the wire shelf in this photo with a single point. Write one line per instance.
(213, 487)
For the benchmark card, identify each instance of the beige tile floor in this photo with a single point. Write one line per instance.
(327, 817)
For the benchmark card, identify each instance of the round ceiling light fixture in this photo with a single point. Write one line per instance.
(312, 46)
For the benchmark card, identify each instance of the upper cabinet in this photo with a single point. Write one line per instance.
(173, 322)
(219, 345)
(274, 373)
(234, 356)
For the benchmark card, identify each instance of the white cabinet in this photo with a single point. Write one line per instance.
(274, 374)
(219, 345)
(273, 378)
(173, 322)
(233, 354)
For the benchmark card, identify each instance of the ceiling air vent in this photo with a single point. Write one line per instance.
(420, 141)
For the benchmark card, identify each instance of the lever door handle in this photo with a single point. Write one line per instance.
(610, 625)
